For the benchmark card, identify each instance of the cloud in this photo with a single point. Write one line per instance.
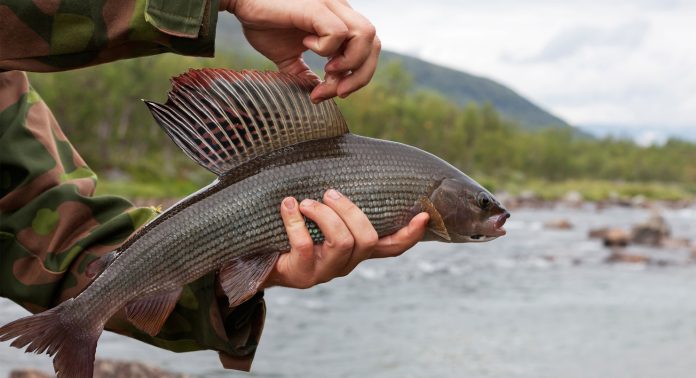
(621, 63)
(570, 42)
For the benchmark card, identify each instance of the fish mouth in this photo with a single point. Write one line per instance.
(492, 229)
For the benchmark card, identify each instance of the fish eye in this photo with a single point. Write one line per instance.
(484, 201)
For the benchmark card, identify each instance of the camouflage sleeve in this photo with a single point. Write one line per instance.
(55, 35)
(52, 227)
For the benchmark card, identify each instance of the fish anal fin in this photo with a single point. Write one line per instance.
(149, 313)
(436, 224)
(222, 118)
(241, 278)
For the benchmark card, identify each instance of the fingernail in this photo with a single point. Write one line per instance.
(334, 195)
(330, 79)
(306, 203)
(289, 203)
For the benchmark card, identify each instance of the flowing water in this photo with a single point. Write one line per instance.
(536, 303)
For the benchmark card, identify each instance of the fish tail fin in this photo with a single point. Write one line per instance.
(66, 335)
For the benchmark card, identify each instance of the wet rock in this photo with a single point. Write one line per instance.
(127, 369)
(619, 255)
(598, 233)
(109, 369)
(28, 373)
(651, 232)
(675, 243)
(612, 237)
(573, 199)
(559, 224)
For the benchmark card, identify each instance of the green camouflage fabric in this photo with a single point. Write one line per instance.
(54, 35)
(51, 224)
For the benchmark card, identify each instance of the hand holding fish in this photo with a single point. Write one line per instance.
(283, 30)
(350, 239)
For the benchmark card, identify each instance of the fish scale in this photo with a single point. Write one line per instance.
(270, 149)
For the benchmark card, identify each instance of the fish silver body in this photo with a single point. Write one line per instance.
(259, 133)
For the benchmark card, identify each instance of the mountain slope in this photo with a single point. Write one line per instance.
(459, 86)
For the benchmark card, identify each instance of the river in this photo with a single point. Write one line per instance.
(536, 303)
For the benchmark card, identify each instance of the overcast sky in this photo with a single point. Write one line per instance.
(629, 63)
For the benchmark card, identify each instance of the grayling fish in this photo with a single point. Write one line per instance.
(265, 140)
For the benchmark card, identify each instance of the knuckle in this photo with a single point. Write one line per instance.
(371, 239)
(341, 32)
(344, 243)
(377, 44)
(304, 244)
(369, 31)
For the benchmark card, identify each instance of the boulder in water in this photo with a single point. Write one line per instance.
(28, 373)
(558, 224)
(652, 232)
(614, 237)
(620, 255)
(109, 369)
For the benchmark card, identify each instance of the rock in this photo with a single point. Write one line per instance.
(127, 369)
(612, 237)
(28, 373)
(559, 224)
(651, 232)
(573, 199)
(109, 369)
(675, 243)
(616, 237)
(598, 233)
(639, 201)
(619, 255)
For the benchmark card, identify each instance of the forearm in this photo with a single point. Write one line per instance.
(52, 230)
(60, 35)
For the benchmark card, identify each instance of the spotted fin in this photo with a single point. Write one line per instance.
(240, 279)
(223, 118)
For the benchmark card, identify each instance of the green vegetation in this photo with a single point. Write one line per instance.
(101, 113)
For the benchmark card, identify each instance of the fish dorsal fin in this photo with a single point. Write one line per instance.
(223, 118)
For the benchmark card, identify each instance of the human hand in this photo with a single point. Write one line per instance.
(283, 30)
(349, 239)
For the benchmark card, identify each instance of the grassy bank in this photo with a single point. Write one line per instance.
(598, 190)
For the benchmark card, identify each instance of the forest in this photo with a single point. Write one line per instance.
(101, 112)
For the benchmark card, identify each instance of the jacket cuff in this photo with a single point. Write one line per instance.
(193, 23)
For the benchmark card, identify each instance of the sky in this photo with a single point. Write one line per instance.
(620, 67)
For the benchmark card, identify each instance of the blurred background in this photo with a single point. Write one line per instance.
(579, 115)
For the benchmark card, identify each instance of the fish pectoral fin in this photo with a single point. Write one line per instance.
(436, 224)
(222, 118)
(149, 313)
(240, 278)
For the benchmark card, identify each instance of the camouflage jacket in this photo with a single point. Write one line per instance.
(51, 225)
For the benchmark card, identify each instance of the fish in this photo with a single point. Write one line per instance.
(265, 140)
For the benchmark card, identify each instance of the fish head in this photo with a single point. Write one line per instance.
(463, 211)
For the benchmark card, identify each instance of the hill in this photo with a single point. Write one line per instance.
(458, 86)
